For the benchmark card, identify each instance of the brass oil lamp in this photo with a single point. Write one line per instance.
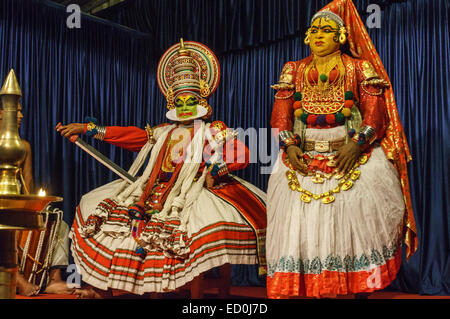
(17, 212)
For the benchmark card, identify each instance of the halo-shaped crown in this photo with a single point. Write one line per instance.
(188, 67)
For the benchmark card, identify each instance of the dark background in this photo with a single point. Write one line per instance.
(107, 69)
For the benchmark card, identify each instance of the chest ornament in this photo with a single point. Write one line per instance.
(323, 113)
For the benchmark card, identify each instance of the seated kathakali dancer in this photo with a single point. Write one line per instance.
(338, 198)
(185, 214)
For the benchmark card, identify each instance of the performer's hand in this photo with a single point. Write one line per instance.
(346, 156)
(295, 156)
(70, 129)
(209, 181)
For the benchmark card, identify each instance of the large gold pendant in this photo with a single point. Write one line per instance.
(328, 199)
(305, 198)
(317, 179)
(347, 185)
(344, 184)
(339, 175)
(289, 175)
(355, 175)
(292, 185)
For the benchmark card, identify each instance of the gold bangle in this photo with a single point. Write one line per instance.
(90, 126)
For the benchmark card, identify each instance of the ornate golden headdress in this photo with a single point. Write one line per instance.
(188, 67)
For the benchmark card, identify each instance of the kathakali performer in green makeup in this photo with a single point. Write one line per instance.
(186, 213)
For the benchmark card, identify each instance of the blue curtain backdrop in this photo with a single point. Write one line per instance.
(108, 71)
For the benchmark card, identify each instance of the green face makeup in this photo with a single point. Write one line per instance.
(186, 106)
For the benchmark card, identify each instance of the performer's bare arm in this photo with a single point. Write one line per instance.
(27, 168)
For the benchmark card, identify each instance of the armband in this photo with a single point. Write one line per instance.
(93, 130)
(218, 169)
(365, 137)
(287, 138)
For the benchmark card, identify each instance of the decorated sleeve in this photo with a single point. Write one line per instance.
(283, 112)
(372, 101)
(131, 138)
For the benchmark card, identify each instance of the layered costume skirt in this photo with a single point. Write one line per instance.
(217, 233)
(351, 245)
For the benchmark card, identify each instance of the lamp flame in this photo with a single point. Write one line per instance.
(42, 193)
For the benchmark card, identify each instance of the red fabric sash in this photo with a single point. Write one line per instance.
(251, 208)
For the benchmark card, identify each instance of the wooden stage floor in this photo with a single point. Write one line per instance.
(252, 293)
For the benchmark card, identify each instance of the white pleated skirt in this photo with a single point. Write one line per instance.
(348, 246)
(217, 231)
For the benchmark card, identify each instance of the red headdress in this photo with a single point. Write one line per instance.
(394, 142)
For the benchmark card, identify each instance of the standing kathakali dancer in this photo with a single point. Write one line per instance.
(338, 198)
(185, 214)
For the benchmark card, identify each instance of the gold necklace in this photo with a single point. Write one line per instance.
(324, 65)
(344, 184)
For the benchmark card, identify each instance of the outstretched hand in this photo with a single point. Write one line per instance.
(346, 156)
(70, 129)
(295, 156)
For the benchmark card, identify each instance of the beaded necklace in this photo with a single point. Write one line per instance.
(321, 102)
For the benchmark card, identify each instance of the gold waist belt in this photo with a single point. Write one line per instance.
(323, 146)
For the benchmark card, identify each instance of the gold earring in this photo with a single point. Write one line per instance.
(307, 37)
(342, 36)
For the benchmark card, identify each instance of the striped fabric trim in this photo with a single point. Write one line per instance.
(288, 284)
(256, 222)
(124, 269)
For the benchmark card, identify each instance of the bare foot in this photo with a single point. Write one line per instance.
(24, 288)
(91, 293)
(58, 287)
